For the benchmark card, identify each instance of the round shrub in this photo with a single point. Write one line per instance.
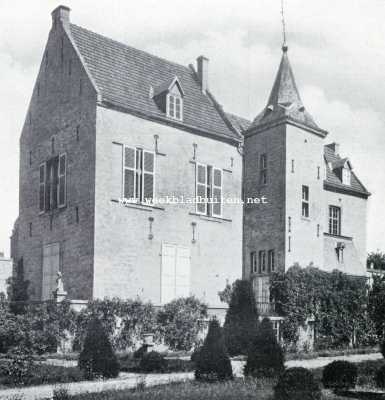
(379, 377)
(97, 357)
(212, 361)
(297, 384)
(265, 356)
(339, 375)
(152, 362)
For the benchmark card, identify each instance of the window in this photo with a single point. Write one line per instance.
(305, 201)
(262, 261)
(346, 176)
(334, 220)
(263, 169)
(52, 183)
(174, 107)
(253, 261)
(138, 174)
(208, 190)
(340, 252)
(271, 260)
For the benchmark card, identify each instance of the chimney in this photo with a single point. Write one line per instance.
(335, 147)
(203, 72)
(60, 14)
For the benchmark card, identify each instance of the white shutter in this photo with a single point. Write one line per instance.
(51, 258)
(129, 176)
(217, 192)
(182, 272)
(168, 273)
(116, 179)
(201, 188)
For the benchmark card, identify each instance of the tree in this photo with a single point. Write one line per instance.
(212, 361)
(377, 260)
(97, 357)
(241, 321)
(265, 356)
(181, 321)
(18, 290)
(376, 304)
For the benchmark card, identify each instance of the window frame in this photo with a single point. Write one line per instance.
(253, 262)
(172, 106)
(263, 169)
(305, 202)
(271, 260)
(332, 219)
(262, 261)
(42, 185)
(63, 176)
(346, 176)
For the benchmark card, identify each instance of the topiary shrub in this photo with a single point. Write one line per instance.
(195, 354)
(212, 361)
(339, 375)
(379, 377)
(240, 327)
(152, 362)
(297, 384)
(265, 357)
(97, 357)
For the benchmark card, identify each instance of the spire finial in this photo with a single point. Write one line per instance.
(284, 45)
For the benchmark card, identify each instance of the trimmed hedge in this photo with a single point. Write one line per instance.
(152, 362)
(379, 377)
(297, 384)
(340, 375)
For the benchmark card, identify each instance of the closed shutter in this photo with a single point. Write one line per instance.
(217, 192)
(201, 187)
(51, 259)
(42, 187)
(62, 180)
(148, 175)
(116, 180)
(129, 172)
(182, 272)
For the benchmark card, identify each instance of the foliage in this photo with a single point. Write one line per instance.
(226, 293)
(379, 377)
(213, 362)
(241, 321)
(61, 394)
(339, 375)
(336, 300)
(124, 321)
(17, 288)
(297, 384)
(181, 321)
(265, 356)
(377, 259)
(97, 357)
(19, 366)
(152, 362)
(376, 304)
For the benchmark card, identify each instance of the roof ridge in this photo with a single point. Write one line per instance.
(132, 47)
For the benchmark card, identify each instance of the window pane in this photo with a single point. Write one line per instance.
(129, 157)
(41, 198)
(62, 167)
(148, 187)
(217, 177)
(128, 184)
(148, 161)
(201, 175)
(42, 167)
(201, 197)
(217, 205)
(62, 190)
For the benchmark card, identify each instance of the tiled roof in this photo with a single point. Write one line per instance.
(334, 181)
(284, 100)
(124, 77)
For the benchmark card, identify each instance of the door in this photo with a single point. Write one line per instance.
(51, 258)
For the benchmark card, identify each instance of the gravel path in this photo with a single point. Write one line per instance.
(129, 380)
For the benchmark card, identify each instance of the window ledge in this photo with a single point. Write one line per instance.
(338, 236)
(210, 218)
(138, 206)
(306, 219)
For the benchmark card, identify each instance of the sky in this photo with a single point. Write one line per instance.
(336, 49)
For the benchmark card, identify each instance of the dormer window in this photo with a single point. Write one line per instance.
(346, 176)
(174, 106)
(169, 98)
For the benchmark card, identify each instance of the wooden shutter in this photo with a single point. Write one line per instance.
(182, 272)
(217, 192)
(148, 175)
(62, 180)
(201, 188)
(129, 178)
(42, 187)
(116, 179)
(51, 258)
(168, 273)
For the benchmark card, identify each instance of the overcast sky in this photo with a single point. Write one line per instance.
(336, 49)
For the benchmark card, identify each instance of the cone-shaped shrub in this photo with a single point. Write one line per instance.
(265, 356)
(97, 357)
(212, 361)
(241, 321)
(297, 384)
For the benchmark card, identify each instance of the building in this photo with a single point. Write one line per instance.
(5, 273)
(118, 144)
